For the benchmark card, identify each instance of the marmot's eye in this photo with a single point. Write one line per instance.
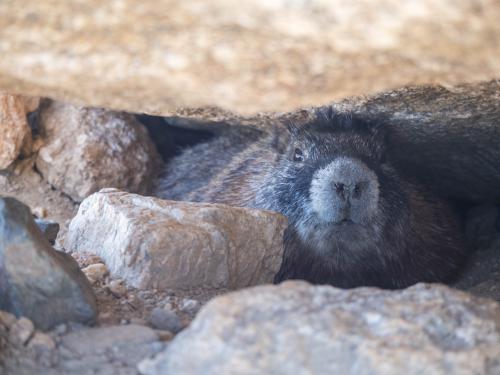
(298, 155)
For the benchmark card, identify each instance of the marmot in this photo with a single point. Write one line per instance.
(354, 218)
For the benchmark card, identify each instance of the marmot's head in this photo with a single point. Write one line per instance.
(333, 182)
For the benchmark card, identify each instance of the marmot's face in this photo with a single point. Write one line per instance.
(335, 181)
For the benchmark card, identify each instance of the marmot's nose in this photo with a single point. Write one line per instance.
(349, 191)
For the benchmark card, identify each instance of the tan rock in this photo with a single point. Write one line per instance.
(87, 149)
(95, 272)
(15, 133)
(242, 55)
(160, 244)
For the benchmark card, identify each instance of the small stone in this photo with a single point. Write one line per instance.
(40, 212)
(60, 329)
(95, 272)
(164, 319)
(164, 335)
(7, 319)
(48, 228)
(190, 306)
(21, 331)
(117, 288)
(42, 342)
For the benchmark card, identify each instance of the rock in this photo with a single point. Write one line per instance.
(247, 56)
(37, 281)
(48, 228)
(87, 149)
(190, 306)
(117, 288)
(41, 342)
(97, 340)
(15, 133)
(95, 272)
(302, 329)
(165, 319)
(40, 212)
(21, 331)
(151, 243)
(164, 335)
(7, 319)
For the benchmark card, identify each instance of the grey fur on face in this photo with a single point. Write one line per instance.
(345, 190)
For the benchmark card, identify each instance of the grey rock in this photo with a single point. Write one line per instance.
(37, 281)
(117, 288)
(87, 149)
(152, 243)
(48, 228)
(190, 306)
(296, 328)
(91, 341)
(165, 319)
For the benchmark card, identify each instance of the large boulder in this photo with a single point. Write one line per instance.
(86, 149)
(152, 243)
(37, 281)
(245, 56)
(296, 328)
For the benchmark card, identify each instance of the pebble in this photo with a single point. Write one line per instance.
(165, 319)
(7, 319)
(21, 331)
(164, 335)
(48, 228)
(40, 212)
(190, 306)
(117, 288)
(42, 342)
(95, 272)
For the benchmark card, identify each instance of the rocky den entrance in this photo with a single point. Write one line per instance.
(99, 276)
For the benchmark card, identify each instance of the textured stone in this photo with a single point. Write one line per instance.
(246, 56)
(95, 272)
(153, 243)
(92, 341)
(21, 331)
(15, 133)
(87, 149)
(48, 228)
(190, 306)
(296, 328)
(165, 319)
(37, 281)
(117, 288)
